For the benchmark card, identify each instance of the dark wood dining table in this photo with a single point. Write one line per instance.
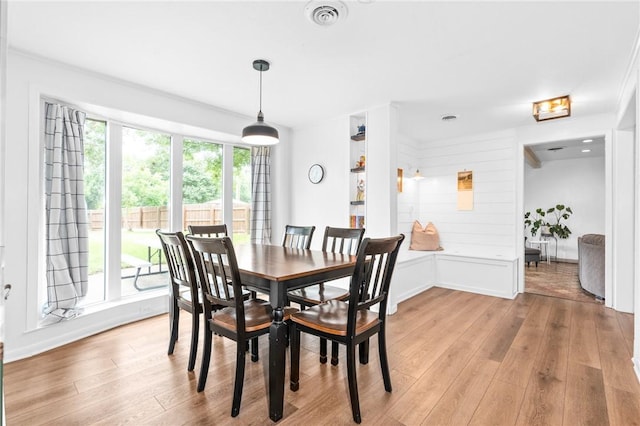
(274, 270)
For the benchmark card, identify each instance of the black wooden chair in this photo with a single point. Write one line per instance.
(351, 323)
(336, 240)
(184, 289)
(298, 236)
(216, 231)
(232, 317)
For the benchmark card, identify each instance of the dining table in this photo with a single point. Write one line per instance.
(274, 270)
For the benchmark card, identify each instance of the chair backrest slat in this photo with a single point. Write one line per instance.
(298, 236)
(342, 240)
(214, 231)
(218, 274)
(372, 276)
(180, 263)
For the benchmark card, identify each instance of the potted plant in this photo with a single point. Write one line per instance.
(558, 214)
(535, 221)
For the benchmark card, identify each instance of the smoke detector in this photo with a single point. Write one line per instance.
(325, 12)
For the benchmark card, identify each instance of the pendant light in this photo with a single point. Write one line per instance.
(260, 133)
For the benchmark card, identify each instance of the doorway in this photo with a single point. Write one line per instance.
(565, 185)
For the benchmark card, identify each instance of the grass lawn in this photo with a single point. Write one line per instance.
(134, 243)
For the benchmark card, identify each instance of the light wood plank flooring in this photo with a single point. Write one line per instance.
(457, 358)
(557, 279)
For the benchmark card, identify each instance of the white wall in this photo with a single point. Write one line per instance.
(326, 203)
(577, 183)
(409, 199)
(27, 79)
(489, 228)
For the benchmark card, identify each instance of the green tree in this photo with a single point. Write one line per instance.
(202, 171)
(146, 168)
(94, 163)
(242, 174)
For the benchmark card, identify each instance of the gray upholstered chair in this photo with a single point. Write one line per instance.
(531, 254)
(591, 264)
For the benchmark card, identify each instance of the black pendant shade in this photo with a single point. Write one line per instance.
(260, 133)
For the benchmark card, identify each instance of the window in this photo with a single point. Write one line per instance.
(129, 176)
(95, 136)
(241, 194)
(145, 208)
(201, 183)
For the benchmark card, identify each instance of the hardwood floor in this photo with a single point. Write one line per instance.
(456, 358)
(557, 279)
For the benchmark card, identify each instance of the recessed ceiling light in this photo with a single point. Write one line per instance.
(587, 140)
(449, 117)
(586, 150)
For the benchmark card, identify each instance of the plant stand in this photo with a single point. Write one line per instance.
(548, 238)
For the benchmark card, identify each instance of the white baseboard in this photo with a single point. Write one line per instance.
(392, 308)
(479, 290)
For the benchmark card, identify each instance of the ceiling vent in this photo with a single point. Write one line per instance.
(325, 13)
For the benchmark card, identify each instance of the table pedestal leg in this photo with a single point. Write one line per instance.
(277, 349)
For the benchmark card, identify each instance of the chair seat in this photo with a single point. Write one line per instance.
(331, 317)
(317, 294)
(257, 315)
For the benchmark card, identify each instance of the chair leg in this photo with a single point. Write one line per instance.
(174, 319)
(323, 350)
(237, 388)
(254, 350)
(294, 375)
(206, 357)
(353, 383)
(334, 353)
(384, 362)
(364, 352)
(195, 330)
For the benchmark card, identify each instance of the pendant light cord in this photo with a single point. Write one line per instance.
(260, 109)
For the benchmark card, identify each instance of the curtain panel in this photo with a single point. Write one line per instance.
(261, 195)
(66, 222)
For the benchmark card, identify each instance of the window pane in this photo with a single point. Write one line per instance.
(241, 194)
(145, 200)
(202, 183)
(95, 134)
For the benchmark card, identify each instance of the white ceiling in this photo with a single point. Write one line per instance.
(485, 61)
(570, 148)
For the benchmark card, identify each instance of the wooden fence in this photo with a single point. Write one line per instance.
(146, 217)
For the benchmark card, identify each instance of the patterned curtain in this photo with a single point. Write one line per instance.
(261, 195)
(67, 229)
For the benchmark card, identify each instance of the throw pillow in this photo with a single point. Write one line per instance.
(424, 239)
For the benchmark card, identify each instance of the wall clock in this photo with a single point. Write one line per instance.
(316, 173)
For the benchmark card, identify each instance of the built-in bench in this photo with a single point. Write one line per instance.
(417, 271)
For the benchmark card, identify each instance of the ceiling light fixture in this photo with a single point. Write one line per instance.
(586, 150)
(260, 133)
(417, 175)
(587, 141)
(552, 108)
